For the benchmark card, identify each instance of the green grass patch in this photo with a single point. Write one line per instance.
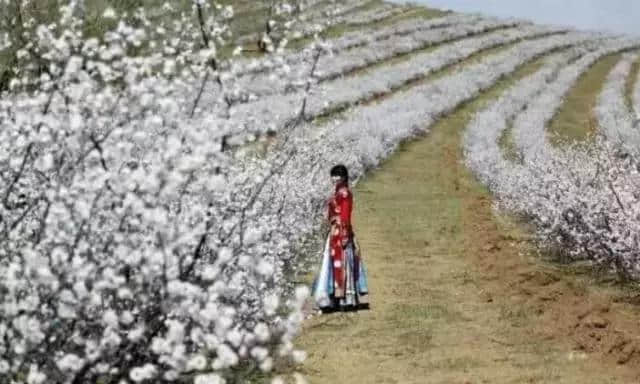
(632, 80)
(413, 13)
(508, 146)
(575, 120)
(506, 140)
(365, 7)
(341, 29)
(317, 6)
(249, 22)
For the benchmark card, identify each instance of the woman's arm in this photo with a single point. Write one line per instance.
(345, 202)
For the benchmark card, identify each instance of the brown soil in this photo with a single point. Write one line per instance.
(457, 293)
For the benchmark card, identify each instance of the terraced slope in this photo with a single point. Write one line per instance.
(455, 298)
(461, 291)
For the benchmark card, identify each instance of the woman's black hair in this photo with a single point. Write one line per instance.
(340, 170)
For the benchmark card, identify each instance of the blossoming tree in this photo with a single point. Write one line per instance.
(131, 250)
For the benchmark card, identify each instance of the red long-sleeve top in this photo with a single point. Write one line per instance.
(340, 207)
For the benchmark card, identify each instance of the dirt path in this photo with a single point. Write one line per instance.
(456, 297)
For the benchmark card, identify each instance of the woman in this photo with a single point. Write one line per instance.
(342, 280)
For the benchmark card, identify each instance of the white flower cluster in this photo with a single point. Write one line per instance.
(132, 247)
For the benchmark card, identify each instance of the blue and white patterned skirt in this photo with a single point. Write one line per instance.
(323, 285)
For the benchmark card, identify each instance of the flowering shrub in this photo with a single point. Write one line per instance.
(133, 248)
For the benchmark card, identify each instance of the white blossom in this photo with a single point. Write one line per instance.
(197, 363)
(146, 372)
(35, 376)
(70, 362)
(208, 379)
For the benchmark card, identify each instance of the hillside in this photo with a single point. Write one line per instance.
(164, 180)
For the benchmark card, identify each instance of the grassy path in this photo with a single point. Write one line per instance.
(576, 119)
(633, 78)
(455, 297)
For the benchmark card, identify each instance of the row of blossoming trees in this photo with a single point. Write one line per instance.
(583, 197)
(132, 247)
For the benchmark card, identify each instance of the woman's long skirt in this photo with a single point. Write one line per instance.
(356, 280)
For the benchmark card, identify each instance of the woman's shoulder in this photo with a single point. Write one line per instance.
(343, 192)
